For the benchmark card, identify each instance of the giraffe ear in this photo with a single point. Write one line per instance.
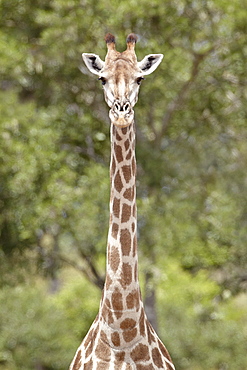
(93, 63)
(149, 63)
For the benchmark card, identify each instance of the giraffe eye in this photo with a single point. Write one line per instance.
(103, 80)
(139, 80)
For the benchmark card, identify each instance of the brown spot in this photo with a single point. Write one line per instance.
(132, 299)
(118, 137)
(110, 318)
(144, 367)
(126, 213)
(92, 334)
(142, 324)
(114, 259)
(118, 314)
(117, 300)
(77, 362)
(114, 230)
(120, 356)
(118, 182)
(113, 166)
(102, 365)
(140, 353)
(127, 324)
(125, 241)
(128, 156)
(134, 211)
(129, 194)
(157, 359)
(118, 153)
(103, 351)
(164, 351)
(114, 130)
(126, 276)
(133, 227)
(103, 336)
(134, 165)
(136, 272)
(134, 245)
(116, 207)
(124, 130)
(129, 335)
(88, 365)
(127, 145)
(151, 337)
(127, 173)
(106, 312)
(115, 338)
(89, 349)
(151, 328)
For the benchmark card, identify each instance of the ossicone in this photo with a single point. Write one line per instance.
(110, 38)
(132, 38)
(131, 42)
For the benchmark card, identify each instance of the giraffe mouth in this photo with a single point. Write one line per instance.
(121, 114)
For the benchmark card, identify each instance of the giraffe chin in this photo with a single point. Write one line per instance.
(121, 121)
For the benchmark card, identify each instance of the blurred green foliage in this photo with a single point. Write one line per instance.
(40, 331)
(54, 188)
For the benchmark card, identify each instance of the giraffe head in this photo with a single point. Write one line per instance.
(121, 75)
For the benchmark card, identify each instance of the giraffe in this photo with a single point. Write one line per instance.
(121, 336)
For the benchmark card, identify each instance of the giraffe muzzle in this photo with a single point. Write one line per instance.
(121, 114)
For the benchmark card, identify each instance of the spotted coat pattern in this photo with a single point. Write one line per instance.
(121, 337)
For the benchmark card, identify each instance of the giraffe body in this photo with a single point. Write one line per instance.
(121, 336)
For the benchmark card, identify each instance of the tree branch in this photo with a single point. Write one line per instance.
(93, 277)
(97, 279)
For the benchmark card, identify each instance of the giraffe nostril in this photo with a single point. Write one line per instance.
(117, 107)
(125, 107)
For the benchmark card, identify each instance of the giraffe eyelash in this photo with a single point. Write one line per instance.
(139, 80)
(103, 80)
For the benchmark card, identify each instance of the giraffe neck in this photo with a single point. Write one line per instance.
(121, 296)
(121, 336)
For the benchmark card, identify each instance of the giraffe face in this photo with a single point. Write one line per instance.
(121, 75)
(121, 82)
